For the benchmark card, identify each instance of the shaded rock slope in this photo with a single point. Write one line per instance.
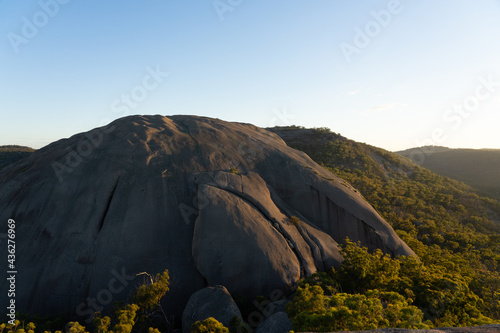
(209, 200)
(12, 153)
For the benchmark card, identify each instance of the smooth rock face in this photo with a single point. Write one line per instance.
(149, 193)
(209, 302)
(277, 323)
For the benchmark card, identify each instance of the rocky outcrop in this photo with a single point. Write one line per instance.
(215, 302)
(210, 201)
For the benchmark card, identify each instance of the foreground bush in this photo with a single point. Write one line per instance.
(373, 290)
(311, 310)
(209, 325)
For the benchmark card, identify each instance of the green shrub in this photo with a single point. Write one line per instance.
(311, 310)
(209, 325)
(380, 291)
(294, 220)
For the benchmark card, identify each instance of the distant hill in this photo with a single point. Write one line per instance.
(479, 168)
(11, 153)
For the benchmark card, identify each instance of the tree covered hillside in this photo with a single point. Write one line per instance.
(455, 232)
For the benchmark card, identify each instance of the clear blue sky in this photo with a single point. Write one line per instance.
(277, 62)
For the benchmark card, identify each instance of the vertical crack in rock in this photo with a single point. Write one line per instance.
(314, 244)
(373, 238)
(88, 270)
(106, 209)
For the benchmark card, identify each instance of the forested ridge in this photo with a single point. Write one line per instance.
(479, 168)
(454, 231)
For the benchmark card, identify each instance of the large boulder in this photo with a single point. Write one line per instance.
(215, 302)
(211, 201)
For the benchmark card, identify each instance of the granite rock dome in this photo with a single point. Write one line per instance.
(214, 202)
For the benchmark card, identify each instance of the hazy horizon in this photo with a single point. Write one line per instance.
(393, 74)
(394, 151)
